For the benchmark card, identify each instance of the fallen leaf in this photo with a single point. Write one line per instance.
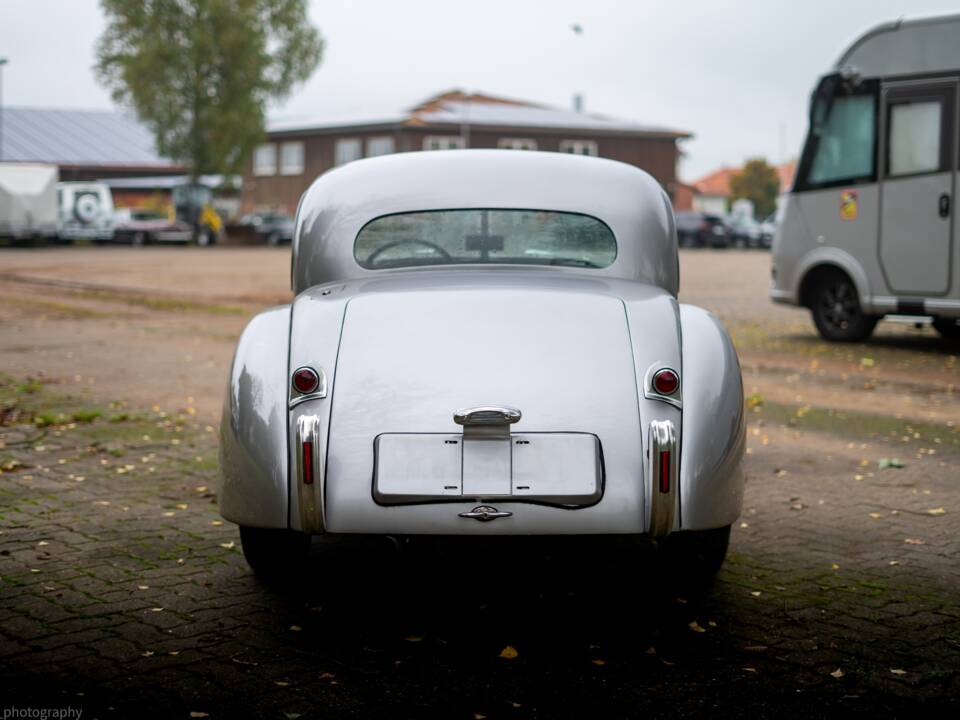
(866, 361)
(147, 653)
(695, 626)
(651, 650)
(894, 562)
(885, 463)
(744, 525)
(750, 669)
(509, 652)
(156, 609)
(143, 587)
(936, 511)
(216, 522)
(756, 593)
(599, 662)
(327, 676)
(915, 541)
(295, 628)
(182, 506)
(198, 714)
(838, 673)
(228, 545)
(281, 683)
(413, 638)
(898, 671)
(292, 716)
(875, 516)
(834, 566)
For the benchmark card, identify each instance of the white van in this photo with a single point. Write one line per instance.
(869, 228)
(86, 211)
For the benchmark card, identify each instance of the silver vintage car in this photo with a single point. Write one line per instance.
(484, 343)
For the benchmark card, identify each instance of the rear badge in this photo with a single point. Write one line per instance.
(485, 513)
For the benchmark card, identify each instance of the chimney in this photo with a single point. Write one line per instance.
(578, 102)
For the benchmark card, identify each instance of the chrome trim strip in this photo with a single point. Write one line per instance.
(650, 394)
(662, 505)
(321, 392)
(310, 496)
(309, 396)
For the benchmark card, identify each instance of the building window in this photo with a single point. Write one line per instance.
(265, 160)
(443, 142)
(579, 147)
(291, 158)
(380, 145)
(348, 150)
(517, 144)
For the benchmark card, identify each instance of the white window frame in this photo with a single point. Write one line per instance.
(286, 166)
(339, 154)
(265, 160)
(579, 147)
(517, 144)
(384, 141)
(443, 142)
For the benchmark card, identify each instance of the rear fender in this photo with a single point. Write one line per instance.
(714, 430)
(253, 428)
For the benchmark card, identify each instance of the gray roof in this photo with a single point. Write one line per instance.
(479, 111)
(906, 47)
(532, 116)
(65, 136)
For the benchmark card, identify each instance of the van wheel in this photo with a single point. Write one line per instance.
(139, 239)
(949, 328)
(836, 310)
(204, 237)
(274, 553)
(692, 558)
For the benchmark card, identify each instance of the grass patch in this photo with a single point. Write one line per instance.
(56, 308)
(163, 304)
(857, 425)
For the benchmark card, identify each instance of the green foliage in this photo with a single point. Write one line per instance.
(199, 73)
(758, 182)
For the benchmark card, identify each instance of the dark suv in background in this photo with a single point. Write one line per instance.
(697, 229)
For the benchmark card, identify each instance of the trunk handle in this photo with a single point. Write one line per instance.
(486, 421)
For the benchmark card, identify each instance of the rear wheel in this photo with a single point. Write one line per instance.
(205, 237)
(836, 310)
(139, 239)
(949, 328)
(274, 553)
(692, 558)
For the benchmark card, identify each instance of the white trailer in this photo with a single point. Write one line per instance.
(28, 201)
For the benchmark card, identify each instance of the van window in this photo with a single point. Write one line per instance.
(914, 138)
(845, 147)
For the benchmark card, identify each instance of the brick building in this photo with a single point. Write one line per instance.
(296, 153)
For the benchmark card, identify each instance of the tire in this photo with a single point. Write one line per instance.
(273, 239)
(949, 328)
(835, 306)
(692, 558)
(272, 553)
(139, 239)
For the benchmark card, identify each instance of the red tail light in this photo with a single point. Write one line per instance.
(305, 380)
(666, 381)
(307, 462)
(664, 471)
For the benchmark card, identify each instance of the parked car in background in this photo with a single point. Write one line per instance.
(270, 227)
(768, 228)
(744, 231)
(508, 358)
(142, 227)
(697, 229)
(85, 211)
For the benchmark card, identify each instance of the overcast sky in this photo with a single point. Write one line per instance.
(735, 73)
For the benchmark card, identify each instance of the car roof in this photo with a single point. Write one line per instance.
(340, 202)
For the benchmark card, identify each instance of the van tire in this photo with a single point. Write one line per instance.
(835, 306)
(949, 328)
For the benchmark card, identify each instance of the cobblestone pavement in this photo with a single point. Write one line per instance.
(124, 595)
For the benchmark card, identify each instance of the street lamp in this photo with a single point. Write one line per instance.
(3, 61)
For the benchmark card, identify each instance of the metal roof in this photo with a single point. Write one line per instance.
(65, 136)
(458, 108)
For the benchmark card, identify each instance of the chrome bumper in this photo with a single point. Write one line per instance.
(663, 464)
(310, 474)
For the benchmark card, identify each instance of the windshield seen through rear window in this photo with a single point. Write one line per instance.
(452, 237)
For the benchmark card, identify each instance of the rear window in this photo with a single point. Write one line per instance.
(453, 237)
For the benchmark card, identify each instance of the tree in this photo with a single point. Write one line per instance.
(199, 73)
(759, 183)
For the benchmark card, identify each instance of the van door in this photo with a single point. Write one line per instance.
(916, 186)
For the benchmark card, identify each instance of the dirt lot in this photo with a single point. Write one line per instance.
(841, 594)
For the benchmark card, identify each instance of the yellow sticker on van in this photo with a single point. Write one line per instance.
(848, 204)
